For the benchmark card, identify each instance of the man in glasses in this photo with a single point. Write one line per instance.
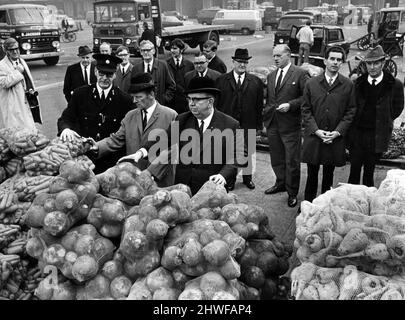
(80, 73)
(165, 85)
(16, 83)
(242, 99)
(201, 69)
(210, 159)
(135, 128)
(96, 110)
(123, 78)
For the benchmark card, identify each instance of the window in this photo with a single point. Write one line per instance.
(403, 17)
(3, 16)
(333, 35)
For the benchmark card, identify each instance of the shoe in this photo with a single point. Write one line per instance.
(249, 183)
(275, 189)
(292, 201)
(230, 186)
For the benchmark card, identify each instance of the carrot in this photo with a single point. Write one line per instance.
(38, 187)
(46, 190)
(11, 209)
(3, 202)
(60, 151)
(22, 145)
(42, 141)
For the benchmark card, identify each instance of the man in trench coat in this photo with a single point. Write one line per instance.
(328, 111)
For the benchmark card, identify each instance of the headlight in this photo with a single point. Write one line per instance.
(128, 30)
(55, 44)
(281, 40)
(128, 42)
(26, 46)
(96, 41)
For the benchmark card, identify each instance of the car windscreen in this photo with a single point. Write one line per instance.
(115, 12)
(287, 23)
(27, 16)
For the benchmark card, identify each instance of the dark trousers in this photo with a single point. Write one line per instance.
(362, 154)
(311, 186)
(246, 171)
(285, 154)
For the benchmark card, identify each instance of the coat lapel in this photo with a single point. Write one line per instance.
(231, 80)
(153, 118)
(272, 81)
(206, 143)
(287, 76)
(245, 83)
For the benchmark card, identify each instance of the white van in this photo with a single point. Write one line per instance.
(245, 21)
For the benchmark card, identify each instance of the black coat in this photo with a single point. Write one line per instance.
(217, 64)
(195, 174)
(86, 115)
(212, 74)
(74, 79)
(179, 102)
(389, 107)
(250, 116)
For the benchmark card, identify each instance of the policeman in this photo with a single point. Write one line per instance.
(96, 110)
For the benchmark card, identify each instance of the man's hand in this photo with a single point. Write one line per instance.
(69, 135)
(135, 157)
(322, 134)
(93, 143)
(218, 179)
(331, 136)
(284, 107)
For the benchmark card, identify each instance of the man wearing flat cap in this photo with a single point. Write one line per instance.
(380, 100)
(138, 123)
(204, 151)
(16, 90)
(242, 98)
(96, 110)
(80, 73)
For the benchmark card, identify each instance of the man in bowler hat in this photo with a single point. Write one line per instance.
(80, 73)
(379, 100)
(242, 98)
(96, 110)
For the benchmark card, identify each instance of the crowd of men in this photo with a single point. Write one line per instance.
(205, 119)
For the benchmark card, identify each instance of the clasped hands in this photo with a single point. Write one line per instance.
(327, 136)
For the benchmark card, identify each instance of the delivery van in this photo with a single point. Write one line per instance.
(245, 21)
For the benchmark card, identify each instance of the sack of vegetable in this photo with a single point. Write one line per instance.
(157, 285)
(211, 196)
(396, 145)
(27, 188)
(127, 183)
(310, 282)
(77, 147)
(63, 289)
(210, 286)
(390, 196)
(23, 141)
(79, 254)
(108, 216)
(14, 166)
(201, 246)
(11, 209)
(5, 153)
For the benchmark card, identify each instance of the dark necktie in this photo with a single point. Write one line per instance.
(102, 96)
(330, 82)
(123, 70)
(239, 82)
(373, 82)
(86, 79)
(178, 63)
(201, 127)
(201, 74)
(280, 78)
(149, 71)
(144, 119)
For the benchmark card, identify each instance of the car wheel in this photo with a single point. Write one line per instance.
(245, 31)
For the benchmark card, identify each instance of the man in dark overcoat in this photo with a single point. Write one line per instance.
(96, 110)
(201, 69)
(214, 62)
(282, 119)
(242, 98)
(379, 100)
(327, 113)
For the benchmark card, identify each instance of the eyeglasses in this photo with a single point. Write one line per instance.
(202, 62)
(196, 99)
(13, 49)
(123, 54)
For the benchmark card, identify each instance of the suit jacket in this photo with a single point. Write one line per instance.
(74, 79)
(217, 64)
(131, 136)
(212, 74)
(196, 173)
(90, 117)
(179, 103)
(165, 85)
(291, 91)
(123, 81)
(250, 114)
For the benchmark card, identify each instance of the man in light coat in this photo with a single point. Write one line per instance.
(135, 128)
(15, 81)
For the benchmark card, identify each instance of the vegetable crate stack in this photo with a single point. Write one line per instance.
(351, 242)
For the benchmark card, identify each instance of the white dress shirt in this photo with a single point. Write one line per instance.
(106, 91)
(285, 70)
(236, 76)
(125, 67)
(150, 111)
(145, 66)
(87, 71)
(378, 79)
(331, 80)
(207, 121)
(180, 60)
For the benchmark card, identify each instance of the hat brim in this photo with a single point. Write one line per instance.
(84, 54)
(135, 88)
(208, 90)
(106, 69)
(374, 59)
(241, 58)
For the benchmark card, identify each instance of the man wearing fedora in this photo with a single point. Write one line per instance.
(96, 110)
(380, 100)
(282, 119)
(135, 128)
(79, 74)
(242, 98)
(165, 85)
(211, 160)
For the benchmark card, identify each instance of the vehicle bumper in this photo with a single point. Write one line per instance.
(42, 55)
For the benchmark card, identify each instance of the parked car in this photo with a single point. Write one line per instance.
(205, 16)
(170, 21)
(176, 14)
(324, 37)
(282, 34)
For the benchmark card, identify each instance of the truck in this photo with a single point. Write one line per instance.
(271, 16)
(28, 24)
(121, 23)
